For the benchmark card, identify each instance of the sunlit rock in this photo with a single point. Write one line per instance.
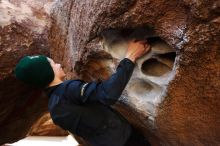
(45, 127)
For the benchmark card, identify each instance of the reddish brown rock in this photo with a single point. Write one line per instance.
(23, 31)
(44, 127)
(175, 103)
(179, 108)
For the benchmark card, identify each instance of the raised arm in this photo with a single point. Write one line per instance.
(110, 90)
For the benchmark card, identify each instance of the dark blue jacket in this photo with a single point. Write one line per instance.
(83, 109)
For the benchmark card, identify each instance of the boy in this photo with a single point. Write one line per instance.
(84, 108)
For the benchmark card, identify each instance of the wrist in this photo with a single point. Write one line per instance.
(133, 59)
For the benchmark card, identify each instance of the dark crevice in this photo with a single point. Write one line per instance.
(69, 18)
(154, 39)
(168, 56)
(153, 67)
(139, 33)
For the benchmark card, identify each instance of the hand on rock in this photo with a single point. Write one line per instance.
(136, 49)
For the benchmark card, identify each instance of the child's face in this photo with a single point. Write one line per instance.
(57, 69)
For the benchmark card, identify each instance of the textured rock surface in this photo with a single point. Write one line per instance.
(44, 127)
(23, 31)
(86, 36)
(186, 112)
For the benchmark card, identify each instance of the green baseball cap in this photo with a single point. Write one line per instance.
(35, 71)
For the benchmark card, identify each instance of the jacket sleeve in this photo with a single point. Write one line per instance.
(107, 91)
(110, 90)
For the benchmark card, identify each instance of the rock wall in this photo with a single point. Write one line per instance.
(24, 27)
(45, 127)
(172, 97)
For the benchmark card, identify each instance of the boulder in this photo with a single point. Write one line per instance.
(45, 127)
(172, 97)
(24, 27)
